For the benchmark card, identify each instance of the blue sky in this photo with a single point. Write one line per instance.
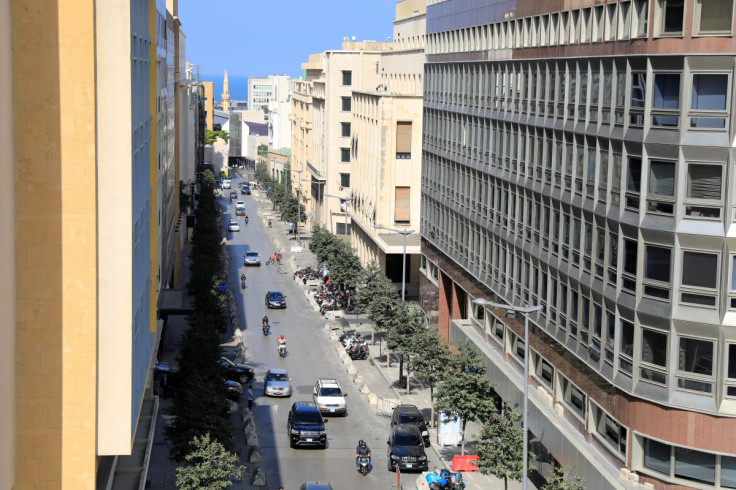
(269, 37)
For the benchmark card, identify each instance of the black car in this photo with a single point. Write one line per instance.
(233, 195)
(406, 449)
(410, 415)
(234, 390)
(245, 190)
(240, 212)
(274, 299)
(236, 372)
(305, 426)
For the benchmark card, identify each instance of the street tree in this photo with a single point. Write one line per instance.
(319, 242)
(563, 479)
(261, 173)
(501, 446)
(290, 208)
(406, 323)
(343, 264)
(379, 298)
(430, 358)
(208, 466)
(464, 389)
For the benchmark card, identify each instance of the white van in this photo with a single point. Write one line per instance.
(226, 184)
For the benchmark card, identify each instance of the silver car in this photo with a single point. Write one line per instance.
(252, 258)
(277, 383)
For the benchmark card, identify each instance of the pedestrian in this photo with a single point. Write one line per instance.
(249, 396)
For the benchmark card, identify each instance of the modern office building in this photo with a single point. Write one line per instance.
(264, 90)
(79, 127)
(386, 157)
(578, 156)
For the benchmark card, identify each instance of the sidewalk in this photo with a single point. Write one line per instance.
(382, 380)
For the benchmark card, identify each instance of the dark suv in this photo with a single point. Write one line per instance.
(236, 372)
(305, 426)
(410, 415)
(274, 299)
(406, 449)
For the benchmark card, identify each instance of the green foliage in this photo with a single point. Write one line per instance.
(211, 136)
(185, 199)
(290, 207)
(429, 361)
(378, 296)
(261, 173)
(343, 264)
(208, 178)
(464, 389)
(562, 479)
(501, 446)
(208, 465)
(319, 242)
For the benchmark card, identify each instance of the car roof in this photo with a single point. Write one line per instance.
(407, 428)
(328, 382)
(277, 371)
(306, 406)
(275, 292)
(251, 252)
(316, 486)
(407, 408)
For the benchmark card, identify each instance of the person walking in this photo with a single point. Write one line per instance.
(249, 396)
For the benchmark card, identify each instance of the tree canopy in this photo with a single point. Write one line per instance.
(208, 465)
(501, 446)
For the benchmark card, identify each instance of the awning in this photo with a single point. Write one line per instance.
(174, 302)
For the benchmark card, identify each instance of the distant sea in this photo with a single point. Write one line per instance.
(238, 86)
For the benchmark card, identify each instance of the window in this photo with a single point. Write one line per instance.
(572, 397)
(731, 371)
(638, 95)
(402, 211)
(403, 139)
(543, 370)
(661, 187)
(699, 273)
(344, 180)
(640, 19)
(624, 20)
(608, 430)
(666, 98)
(689, 464)
(696, 358)
(671, 13)
(347, 77)
(346, 104)
(345, 155)
(657, 456)
(630, 259)
(709, 96)
(704, 189)
(653, 356)
(345, 129)
(713, 16)
(657, 272)
(626, 347)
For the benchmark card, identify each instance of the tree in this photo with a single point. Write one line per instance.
(430, 358)
(290, 207)
(379, 298)
(321, 239)
(208, 465)
(464, 389)
(561, 479)
(406, 323)
(261, 173)
(344, 265)
(501, 446)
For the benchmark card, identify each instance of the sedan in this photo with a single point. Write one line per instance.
(274, 299)
(234, 390)
(240, 212)
(240, 205)
(233, 195)
(245, 190)
(233, 226)
(277, 383)
(252, 258)
(236, 372)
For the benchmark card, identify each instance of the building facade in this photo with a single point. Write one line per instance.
(386, 142)
(263, 90)
(578, 157)
(209, 104)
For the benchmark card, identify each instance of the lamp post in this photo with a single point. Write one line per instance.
(319, 194)
(526, 310)
(298, 207)
(347, 203)
(403, 266)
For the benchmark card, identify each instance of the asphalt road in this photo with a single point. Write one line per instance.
(310, 355)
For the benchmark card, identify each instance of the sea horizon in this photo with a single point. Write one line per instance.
(237, 86)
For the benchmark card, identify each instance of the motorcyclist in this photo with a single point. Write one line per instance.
(246, 219)
(264, 320)
(281, 342)
(269, 223)
(362, 450)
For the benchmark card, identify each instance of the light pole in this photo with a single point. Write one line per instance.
(403, 266)
(347, 204)
(298, 207)
(319, 194)
(526, 310)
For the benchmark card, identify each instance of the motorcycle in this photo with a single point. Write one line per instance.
(242, 284)
(365, 465)
(282, 350)
(359, 352)
(265, 328)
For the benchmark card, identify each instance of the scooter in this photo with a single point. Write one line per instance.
(282, 350)
(359, 352)
(365, 465)
(242, 284)
(265, 328)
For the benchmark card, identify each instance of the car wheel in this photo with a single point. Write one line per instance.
(291, 443)
(244, 378)
(391, 466)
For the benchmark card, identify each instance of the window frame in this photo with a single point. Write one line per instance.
(698, 32)
(702, 203)
(691, 376)
(696, 290)
(709, 113)
(349, 77)
(659, 13)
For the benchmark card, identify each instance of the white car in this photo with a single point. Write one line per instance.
(240, 205)
(329, 397)
(233, 226)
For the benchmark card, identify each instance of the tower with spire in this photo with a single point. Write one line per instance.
(225, 94)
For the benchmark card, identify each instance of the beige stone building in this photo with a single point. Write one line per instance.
(386, 143)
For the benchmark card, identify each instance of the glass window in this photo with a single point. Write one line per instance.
(704, 181)
(345, 180)
(638, 89)
(657, 456)
(672, 12)
(728, 472)
(666, 91)
(699, 269)
(345, 129)
(731, 369)
(654, 347)
(627, 338)
(709, 92)
(345, 155)
(633, 183)
(696, 356)
(630, 248)
(662, 178)
(714, 15)
(695, 465)
(346, 104)
(347, 77)
(657, 265)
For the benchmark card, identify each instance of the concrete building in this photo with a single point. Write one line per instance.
(245, 138)
(277, 162)
(386, 142)
(578, 157)
(80, 134)
(264, 90)
(209, 104)
(333, 76)
(279, 124)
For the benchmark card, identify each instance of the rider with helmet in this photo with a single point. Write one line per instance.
(362, 450)
(281, 343)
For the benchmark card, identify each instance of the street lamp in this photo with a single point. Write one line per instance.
(298, 208)
(319, 193)
(403, 266)
(526, 310)
(347, 204)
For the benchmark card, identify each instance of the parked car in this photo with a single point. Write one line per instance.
(233, 226)
(406, 449)
(226, 184)
(245, 190)
(410, 415)
(274, 299)
(236, 372)
(234, 390)
(233, 195)
(277, 383)
(252, 257)
(329, 397)
(315, 486)
(305, 426)
(240, 212)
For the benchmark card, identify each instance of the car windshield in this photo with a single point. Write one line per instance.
(410, 418)
(330, 392)
(226, 362)
(308, 418)
(278, 377)
(407, 440)
(276, 296)
(252, 254)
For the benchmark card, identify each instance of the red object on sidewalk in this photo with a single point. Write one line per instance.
(464, 463)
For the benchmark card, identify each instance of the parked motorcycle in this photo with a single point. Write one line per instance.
(359, 352)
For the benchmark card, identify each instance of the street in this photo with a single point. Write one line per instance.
(310, 355)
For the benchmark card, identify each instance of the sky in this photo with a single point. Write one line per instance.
(274, 37)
